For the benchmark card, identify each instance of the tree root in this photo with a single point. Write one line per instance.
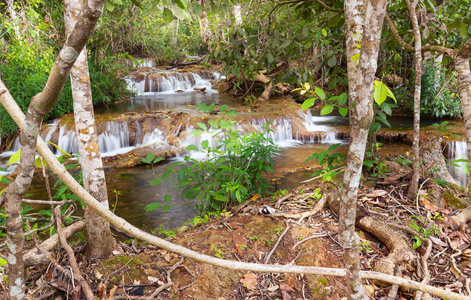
(277, 243)
(394, 239)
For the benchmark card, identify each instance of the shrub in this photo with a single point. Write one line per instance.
(231, 170)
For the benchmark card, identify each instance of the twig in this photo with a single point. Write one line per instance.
(306, 214)
(72, 261)
(278, 203)
(319, 176)
(314, 236)
(47, 202)
(159, 289)
(395, 288)
(277, 243)
(186, 286)
(108, 277)
(418, 194)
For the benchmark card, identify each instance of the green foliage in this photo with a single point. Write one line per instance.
(333, 162)
(423, 228)
(25, 68)
(233, 166)
(334, 101)
(439, 97)
(372, 163)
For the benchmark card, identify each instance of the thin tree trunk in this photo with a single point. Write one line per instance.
(14, 19)
(462, 67)
(237, 12)
(205, 32)
(41, 104)
(100, 242)
(414, 185)
(361, 78)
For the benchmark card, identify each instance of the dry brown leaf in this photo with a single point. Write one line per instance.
(272, 288)
(240, 244)
(168, 257)
(113, 291)
(101, 291)
(285, 287)
(286, 296)
(250, 281)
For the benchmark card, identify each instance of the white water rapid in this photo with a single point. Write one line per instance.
(458, 150)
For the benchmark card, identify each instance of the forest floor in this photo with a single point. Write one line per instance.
(281, 229)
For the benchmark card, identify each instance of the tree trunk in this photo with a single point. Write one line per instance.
(41, 104)
(100, 242)
(462, 67)
(14, 19)
(237, 12)
(204, 25)
(360, 80)
(414, 185)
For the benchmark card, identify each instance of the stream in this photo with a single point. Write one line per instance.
(159, 90)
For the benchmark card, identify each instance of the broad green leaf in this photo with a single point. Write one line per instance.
(231, 145)
(324, 32)
(166, 207)
(223, 108)
(3, 262)
(231, 113)
(308, 103)
(1, 192)
(213, 124)
(167, 198)
(180, 4)
(202, 126)
(109, 6)
(327, 109)
(380, 93)
(14, 158)
(343, 111)
(203, 107)
(386, 108)
(375, 127)
(270, 58)
(368, 163)
(333, 147)
(319, 93)
(191, 148)
(167, 16)
(390, 94)
(342, 99)
(383, 120)
(204, 144)
(332, 61)
(153, 206)
(37, 162)
(198, 9)
(463, 30)
(211, 107)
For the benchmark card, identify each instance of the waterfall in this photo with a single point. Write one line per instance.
(170, 82)
(155, 139)
(458, 150)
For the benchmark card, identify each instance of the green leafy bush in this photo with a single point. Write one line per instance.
(25, 67)
(437, 96)
(233, 165)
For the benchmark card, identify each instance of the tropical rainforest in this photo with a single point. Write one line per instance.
(235, 149)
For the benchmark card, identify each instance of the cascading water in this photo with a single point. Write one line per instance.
(458, 151)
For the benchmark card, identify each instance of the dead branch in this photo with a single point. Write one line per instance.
(277, 243)
(72, 261)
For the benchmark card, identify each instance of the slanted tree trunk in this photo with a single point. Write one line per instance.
(237, 12)
(100, 242)
(414, 185)
(361, 78)
(462, 67)
(40, 105)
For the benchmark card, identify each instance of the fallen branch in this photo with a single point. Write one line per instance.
(77, 275)
(11, 106)
(277, 243)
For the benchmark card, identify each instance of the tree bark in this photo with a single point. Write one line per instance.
(414, 185)
(100, 242)
(462, 67)
(204, 25)
(360, 80)
(41, 104)
(14, 19)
